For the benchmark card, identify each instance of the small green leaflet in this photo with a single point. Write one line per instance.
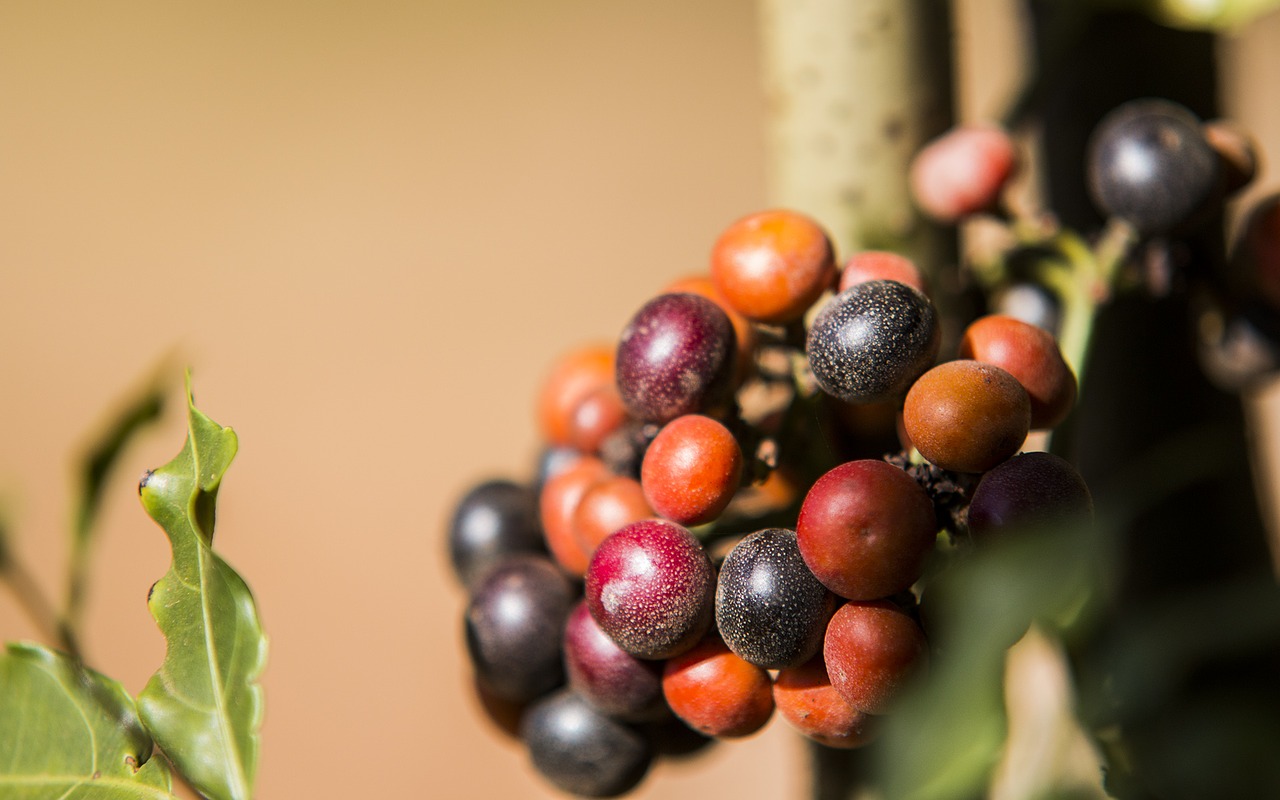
(204, 706)
(70, 733)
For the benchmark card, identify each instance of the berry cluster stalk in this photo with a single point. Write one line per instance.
(854, 88)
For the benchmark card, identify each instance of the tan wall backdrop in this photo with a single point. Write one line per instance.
(368, 228)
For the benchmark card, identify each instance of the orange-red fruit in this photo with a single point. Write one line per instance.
(967, 416)
(881, 265)
(773, 265)
(577, 375)
(808, 702)
(872, 649)
(1029, 354)
(743, 330)
(597, 415)
(716, 692)
(691, 469)
(557, 505)
(607, 505)
(962, 172)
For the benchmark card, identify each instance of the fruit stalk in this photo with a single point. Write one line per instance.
(853, 89)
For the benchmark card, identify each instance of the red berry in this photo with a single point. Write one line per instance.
(716, 692)
(1031, 355)
(881, 265)
(871, 650)
(691, 470)
(865, 529)
(806, 699)
(773, 265)
(651, 587)
(576, 375)
(962, 172)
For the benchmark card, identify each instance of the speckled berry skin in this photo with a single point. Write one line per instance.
(1027, 491)
(581, 750)
(514, 626)
(717, 692)
(865, 529)
(870, 342)
(651, 587)
(675, 356)
(615, 681)
(691, 470)
(770, 609)
(1150, 164)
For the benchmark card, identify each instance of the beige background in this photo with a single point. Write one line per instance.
(368, 227)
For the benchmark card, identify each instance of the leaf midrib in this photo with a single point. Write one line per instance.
(228, 739)
(74, 781)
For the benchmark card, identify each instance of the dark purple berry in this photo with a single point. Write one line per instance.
(651, 587)
(515, 626)
(770, 609)
(581, 750)
(495, 519)
(1150, 164)
(612, 679)
(1029, 490)
(870, 342)
(675, 356)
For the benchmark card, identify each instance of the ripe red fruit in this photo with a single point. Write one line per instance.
(881, 265)
(808, 702)
(716, 692)
(572, 378)
(1031, 355)
(743, 331)
(773, 265)
(962, 172)
(967, 416)
(865, 529)
(691, 470)
(871, 650)
(559, 502)
(606, 506)
(651, 587)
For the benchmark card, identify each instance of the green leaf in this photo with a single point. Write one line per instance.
(70, 733)
(204, 706)
(101, 455)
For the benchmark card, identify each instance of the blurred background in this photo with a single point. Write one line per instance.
(369, 228)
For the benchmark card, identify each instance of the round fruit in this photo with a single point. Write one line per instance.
(870, 342)
(770, 609)
(558, 504)
(716, 692)
(773, 265)
(1030, 355)
(576, 375)
(808, 702)
(865, 529)
(606, 506)
(743, 331)
(1149, 163)
(1028, 491)
(881, 265)
(967, 416)
(493, 520)
(691, 469)
(581, 750)
(514, 626)
(962, 172)
(651, 587)
(872, 649)
(613, 680)
(675, 356)
(595, 418)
